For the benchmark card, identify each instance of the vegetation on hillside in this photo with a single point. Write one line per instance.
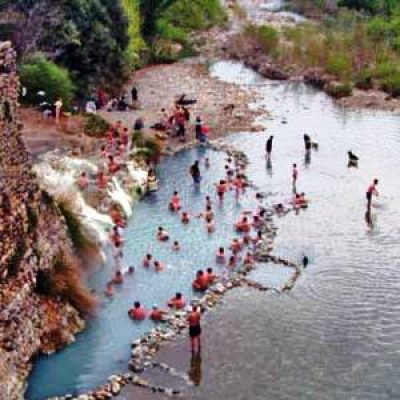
(356, 48)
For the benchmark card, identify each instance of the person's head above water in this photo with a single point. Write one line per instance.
(136, 304)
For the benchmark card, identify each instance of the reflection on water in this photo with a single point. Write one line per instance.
(195, 372)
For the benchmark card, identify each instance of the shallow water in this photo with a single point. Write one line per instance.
(337, 334)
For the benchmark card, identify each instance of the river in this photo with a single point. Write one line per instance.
(337, 334)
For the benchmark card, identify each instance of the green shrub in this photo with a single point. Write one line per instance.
(339, 65)
(40, 74)
(364, 79)
(136, 42)
(391, 85)
(385, 69)
(339, 90)
(96, 126)
(266, 36)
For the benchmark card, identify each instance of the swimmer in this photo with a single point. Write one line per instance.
(211, 277)
(220, 257)
(131, 270)
(138, 313)
(147, 260)
(208, 201)
(207, 164)
(159, 266)
(232, 261)
(157, 313)
(305, 261)
(162, 234)
(210, 227)
(243, 225)
(248, 259)
(279, 208)
(175, 203)
(118, 278)
(109, 292)
(185, 218)
(176, 246)
(236, 246)
(177, 302)
(222, 187)
(238, 185)
(201, 282)
(257, 223)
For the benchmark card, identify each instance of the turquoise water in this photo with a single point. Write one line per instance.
(103, 349)
(336, 335)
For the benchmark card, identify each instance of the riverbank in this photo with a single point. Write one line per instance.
(243, 44)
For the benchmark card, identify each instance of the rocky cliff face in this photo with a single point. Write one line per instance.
(33, 236)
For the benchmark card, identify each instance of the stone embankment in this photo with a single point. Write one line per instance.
(33, 235)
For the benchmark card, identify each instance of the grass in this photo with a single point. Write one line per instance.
(354, 49)
(96, 126)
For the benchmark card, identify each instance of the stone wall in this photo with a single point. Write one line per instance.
(32, 235)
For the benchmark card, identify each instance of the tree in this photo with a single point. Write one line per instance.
(151, 11)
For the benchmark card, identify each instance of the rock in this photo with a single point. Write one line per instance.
(115, 388)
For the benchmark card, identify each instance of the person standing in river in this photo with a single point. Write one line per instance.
(295, 174)
(193, 319)
(195, 172)
(307, 143)
(370, 192)
(268, 146)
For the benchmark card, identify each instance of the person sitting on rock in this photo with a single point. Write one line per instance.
(102, 180)
(83, 181)
(200, 283)
(162, 234)
(157, 313)
(138, 313)
(175, 203)
(177, 302)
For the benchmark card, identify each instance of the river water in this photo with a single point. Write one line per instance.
(337, 334)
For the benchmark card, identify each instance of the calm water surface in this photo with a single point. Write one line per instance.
(336, 336)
